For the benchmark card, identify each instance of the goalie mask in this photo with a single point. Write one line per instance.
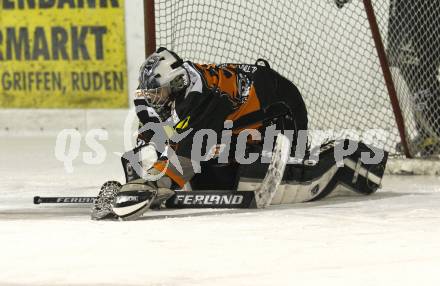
(161, 76)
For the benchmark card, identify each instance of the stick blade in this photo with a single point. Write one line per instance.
(268, 187)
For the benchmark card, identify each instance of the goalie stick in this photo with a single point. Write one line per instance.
(63, 200)
(180, 200)
(268, 187)
(260, 198)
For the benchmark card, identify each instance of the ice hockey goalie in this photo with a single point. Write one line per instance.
(212, 127)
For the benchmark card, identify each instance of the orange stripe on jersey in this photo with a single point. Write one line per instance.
(161, 166)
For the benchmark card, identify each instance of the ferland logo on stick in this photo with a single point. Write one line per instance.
(208, 199)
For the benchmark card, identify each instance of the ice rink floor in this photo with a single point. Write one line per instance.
(390, 238)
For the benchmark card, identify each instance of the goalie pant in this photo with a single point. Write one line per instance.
(218, 93)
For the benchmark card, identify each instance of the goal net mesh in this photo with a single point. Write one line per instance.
(329, 53)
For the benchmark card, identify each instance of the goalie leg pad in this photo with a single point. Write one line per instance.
(309, 180)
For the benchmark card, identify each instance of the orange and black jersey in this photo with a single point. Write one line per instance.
(230, 91)
(217, 93)
(226, 92)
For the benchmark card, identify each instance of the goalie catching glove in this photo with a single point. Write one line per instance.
(129, 201)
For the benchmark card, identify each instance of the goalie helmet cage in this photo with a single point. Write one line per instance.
(336, 51)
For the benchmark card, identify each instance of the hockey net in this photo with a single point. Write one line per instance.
(328, 51)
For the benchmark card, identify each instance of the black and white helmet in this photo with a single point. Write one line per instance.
(161, 75)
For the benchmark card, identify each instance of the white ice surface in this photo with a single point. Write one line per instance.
(390, 238)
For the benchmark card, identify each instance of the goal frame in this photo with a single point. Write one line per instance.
(150, 47)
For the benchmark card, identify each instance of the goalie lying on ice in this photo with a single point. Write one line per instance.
(200, 124)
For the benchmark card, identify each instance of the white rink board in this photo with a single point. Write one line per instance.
(390, 238)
